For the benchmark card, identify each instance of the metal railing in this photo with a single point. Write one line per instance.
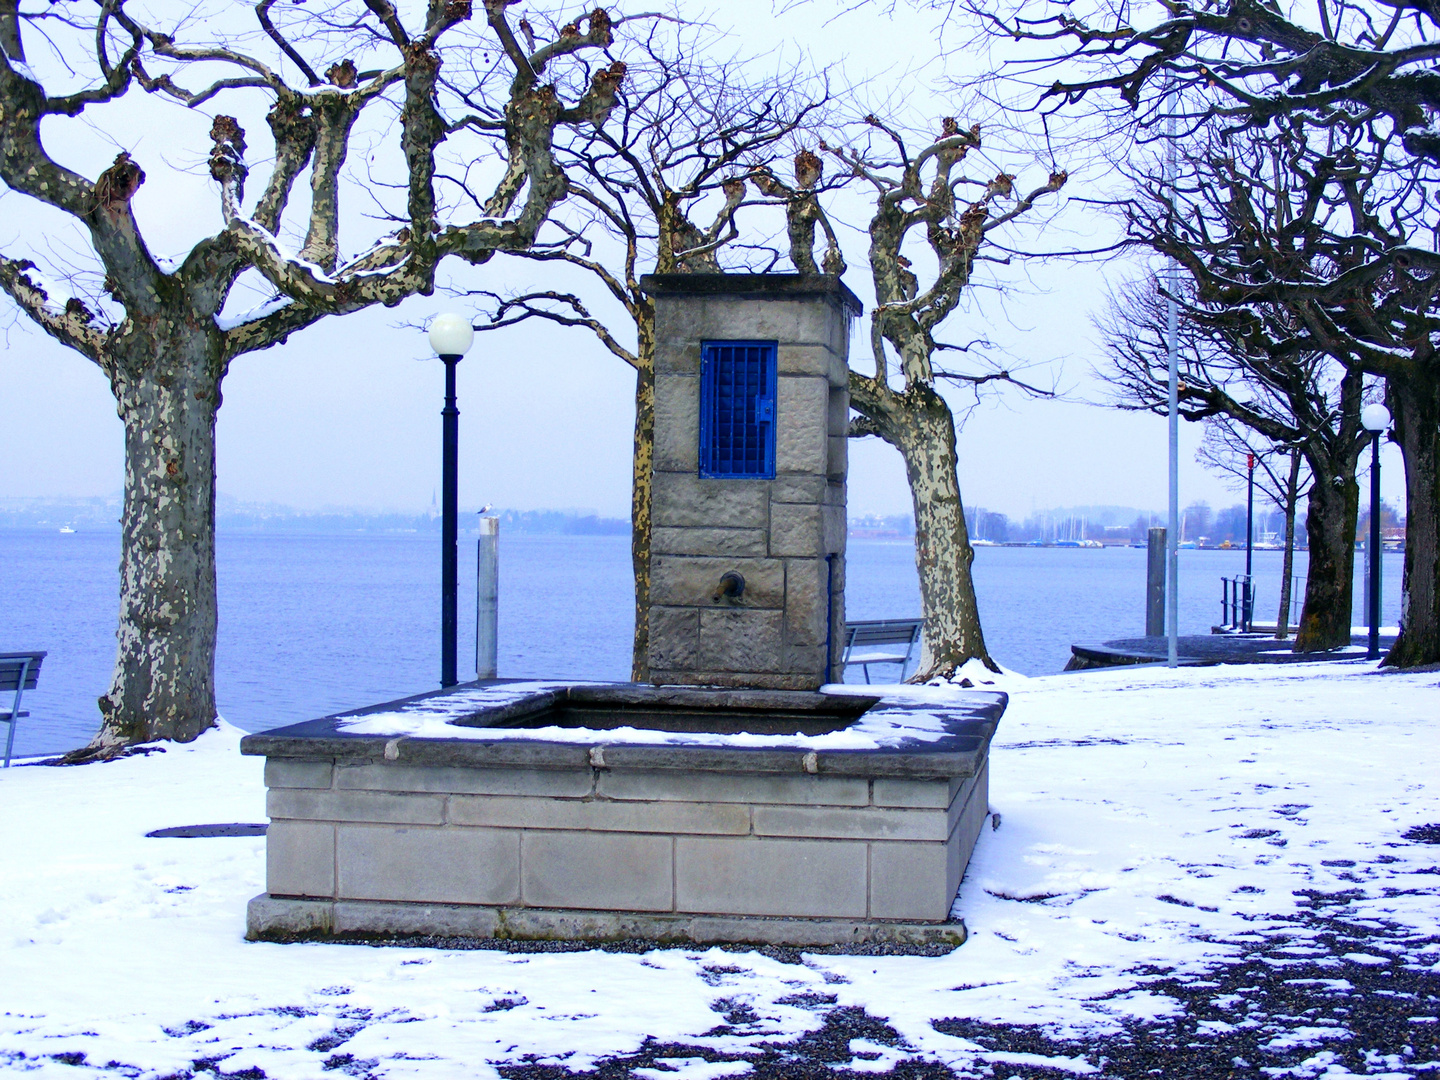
(1297, 602)
(1237, 602)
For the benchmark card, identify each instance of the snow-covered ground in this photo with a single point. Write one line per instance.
(1148, 822)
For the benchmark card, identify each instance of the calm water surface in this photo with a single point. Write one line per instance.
(311, 625)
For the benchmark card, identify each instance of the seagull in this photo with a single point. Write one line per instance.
(486, 508)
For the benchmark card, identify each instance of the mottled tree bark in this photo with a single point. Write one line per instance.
(1327, 615)
(919, 424)
(1415, 402)
(162, 348)
(167, 390)
(920, 194)
(1287, 566)
(642, 486)
(925, 436)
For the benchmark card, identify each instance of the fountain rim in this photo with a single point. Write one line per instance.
(966, 726)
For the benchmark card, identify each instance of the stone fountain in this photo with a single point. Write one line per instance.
(729, 802)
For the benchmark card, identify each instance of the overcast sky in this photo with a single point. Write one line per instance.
(347, 413)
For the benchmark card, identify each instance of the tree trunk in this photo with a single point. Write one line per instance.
(167, 391)
(641, 490)
(925, 437)
(1327, 616)
(1416, 405)
(1287, 568)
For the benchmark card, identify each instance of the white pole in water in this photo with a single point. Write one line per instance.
(1172, 320)
(487, 598)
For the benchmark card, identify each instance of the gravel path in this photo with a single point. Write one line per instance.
(1324, 994)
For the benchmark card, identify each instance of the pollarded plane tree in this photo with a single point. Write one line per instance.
(1360, 72)
(1280, 473)
(1214, 376)
(1247, 211)
(926, 206)
(657, 190)
(159, 329)
(1289, 398)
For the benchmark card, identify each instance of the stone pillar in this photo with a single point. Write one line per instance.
(784, 535)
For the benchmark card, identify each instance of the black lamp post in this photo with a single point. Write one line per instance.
(1249, 536)
(450, 336)
(1249, 510)
(1375, 418)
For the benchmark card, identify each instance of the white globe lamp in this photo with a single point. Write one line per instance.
(451, 334)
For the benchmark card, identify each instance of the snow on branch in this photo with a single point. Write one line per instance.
(71, 324)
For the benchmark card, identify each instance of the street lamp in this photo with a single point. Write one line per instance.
(1375, 418)
(450, 336)
(1249, 537)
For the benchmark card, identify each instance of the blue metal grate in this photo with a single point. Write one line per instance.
(737, 409)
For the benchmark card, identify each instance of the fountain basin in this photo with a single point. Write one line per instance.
(596, 812)
(677, 709)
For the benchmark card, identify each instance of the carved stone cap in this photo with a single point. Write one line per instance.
(754, 287)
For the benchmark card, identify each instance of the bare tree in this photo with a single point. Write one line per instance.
(657, 191)
(1290, 397)
(1294, 206)
(159, 333)
(696, 136)
(1228, 447)
(1355, 92)
(919, 194)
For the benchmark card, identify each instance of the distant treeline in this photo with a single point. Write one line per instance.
(88, 514)
(513, 522)
(1125, 524)
(1111, 524)
(887, 527)
(562, 522)
(103, 515)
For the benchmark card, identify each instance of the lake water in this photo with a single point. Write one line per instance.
(311, 625)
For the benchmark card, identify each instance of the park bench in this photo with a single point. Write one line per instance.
(18, 672)
(866, 635)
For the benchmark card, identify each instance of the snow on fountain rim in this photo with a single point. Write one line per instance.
(901, 716)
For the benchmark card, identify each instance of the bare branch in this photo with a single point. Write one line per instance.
(509, 311)
(71, 325)
(262, 13)
(995, 376)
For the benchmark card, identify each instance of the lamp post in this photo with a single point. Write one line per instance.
(1249, 533)
(1172, 325)
(1249, 509)
(450, 337)
(1375, 418)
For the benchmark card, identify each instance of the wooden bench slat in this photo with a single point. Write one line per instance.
(883, 632)
(11, 665)
(871, 632)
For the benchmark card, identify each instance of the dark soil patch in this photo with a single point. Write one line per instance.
(1364, 995)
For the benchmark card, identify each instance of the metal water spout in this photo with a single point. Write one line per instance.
(732, 586)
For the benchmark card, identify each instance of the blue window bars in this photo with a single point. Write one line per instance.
(737, 409)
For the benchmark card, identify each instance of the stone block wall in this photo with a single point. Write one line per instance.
(651, 841)
(778, 532)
